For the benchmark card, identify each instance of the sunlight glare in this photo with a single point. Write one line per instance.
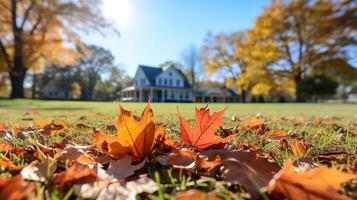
(117, 10)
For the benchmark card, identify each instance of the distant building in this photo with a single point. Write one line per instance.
(216, 94)
(169, 84)
(53, 91)
(165, 84)
(352, 96)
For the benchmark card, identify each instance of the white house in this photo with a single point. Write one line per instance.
(161, 84)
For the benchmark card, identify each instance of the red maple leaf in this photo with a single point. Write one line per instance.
(202, 135)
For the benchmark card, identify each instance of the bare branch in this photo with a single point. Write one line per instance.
(5, 54)
(27, 14)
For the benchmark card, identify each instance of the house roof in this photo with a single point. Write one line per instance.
(152, 72)
(216, 91)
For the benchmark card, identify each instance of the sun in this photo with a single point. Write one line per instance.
(117, 10)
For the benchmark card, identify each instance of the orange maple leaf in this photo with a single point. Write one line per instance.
(320, 183)
(137, 136)
(203, 135)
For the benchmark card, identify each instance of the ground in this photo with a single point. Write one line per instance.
(326, 129)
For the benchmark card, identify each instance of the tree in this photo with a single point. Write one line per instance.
(110, 89)
(307, 33)
(242, 59)
(315, 87)
(94, 62)
(218, 55)
(191, 61)
(76, 90)
(37, 33)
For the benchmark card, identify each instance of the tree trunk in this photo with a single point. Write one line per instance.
(297, 79)
(244, 95)
(17, 78)
(18, 72)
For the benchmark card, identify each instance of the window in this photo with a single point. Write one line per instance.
(165, 81)
(181, 95)
(177, 82)
(165, 93)
(187, 94)
(170, 82)
(170, 73)
(172, 95)
(159, 81)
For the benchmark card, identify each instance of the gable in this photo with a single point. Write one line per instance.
(171, 77)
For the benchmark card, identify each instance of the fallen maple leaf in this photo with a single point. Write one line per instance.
(298, 147)
(139, 136)
(6, 146)
(15, 188)
(254, 123)
(9, 165)
(203, 135)
(276, 134)
(317, 121)
(318, 184)
(115, 149)
(195, 194)
(76, 174)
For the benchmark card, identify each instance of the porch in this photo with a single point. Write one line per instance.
(156, 94)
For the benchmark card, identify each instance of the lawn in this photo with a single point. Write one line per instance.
(12, 110)
(322, 134)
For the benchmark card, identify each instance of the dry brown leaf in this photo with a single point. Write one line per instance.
(76, 153)
(76, 174)
(15, 188)
(123, 168)
(103, 190)
(9, 166)
(254, 123)
(317, 121)
(195, 194)
(178, 159)
(298, 147)
(53, 128)
(276, 134)
(318, 184)
(39, 171)
(6, 146)
(245, 168)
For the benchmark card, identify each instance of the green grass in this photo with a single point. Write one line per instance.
(14, 109)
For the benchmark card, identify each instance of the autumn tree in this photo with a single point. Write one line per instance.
(37, 33)
(93, 63)
(191, 62)
(218, 55)
(308, 33)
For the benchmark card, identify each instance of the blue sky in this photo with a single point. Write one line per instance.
(153, 31)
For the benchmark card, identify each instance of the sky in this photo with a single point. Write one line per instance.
(154, 31)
